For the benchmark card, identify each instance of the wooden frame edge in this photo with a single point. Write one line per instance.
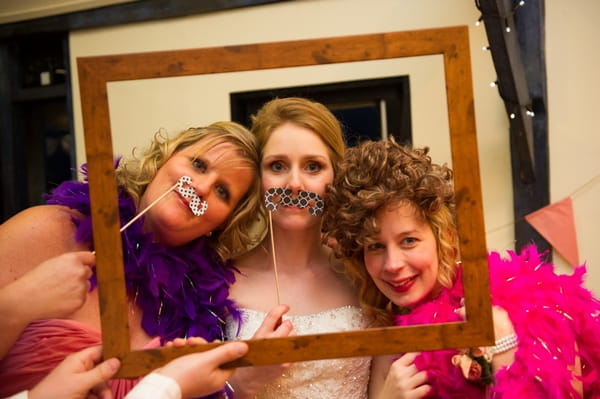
(451, 42)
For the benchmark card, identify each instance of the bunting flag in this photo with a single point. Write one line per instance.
(556, 224)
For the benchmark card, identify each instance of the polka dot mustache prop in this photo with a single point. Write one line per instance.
(276, 196)
(196, 204)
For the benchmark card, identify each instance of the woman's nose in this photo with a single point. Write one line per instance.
(203, 184)
(394, 261)
(294, 182)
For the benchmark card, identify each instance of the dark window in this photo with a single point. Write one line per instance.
(367, 109)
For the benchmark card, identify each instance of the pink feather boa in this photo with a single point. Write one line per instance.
(554, 316)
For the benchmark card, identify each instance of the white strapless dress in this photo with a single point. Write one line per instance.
(346, 378)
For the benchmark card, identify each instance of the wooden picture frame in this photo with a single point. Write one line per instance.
(451, 42)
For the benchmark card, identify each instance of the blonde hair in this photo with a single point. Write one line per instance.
(135, 173)
(372, 176)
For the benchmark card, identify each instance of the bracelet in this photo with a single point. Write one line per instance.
(504, 344)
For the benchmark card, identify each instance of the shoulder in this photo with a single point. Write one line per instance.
(339, 280)
(253, 259)
(45, 211)
(253, 266)
(34, 235)
(42, 219)
(253, 282)
(502, 324)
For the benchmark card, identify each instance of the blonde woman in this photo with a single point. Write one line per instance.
(174, 256)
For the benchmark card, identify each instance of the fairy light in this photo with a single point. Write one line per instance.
(507, 18)
(513, 114)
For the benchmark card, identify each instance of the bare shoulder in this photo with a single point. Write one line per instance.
(253, 266)
(502, 323)
(254, 286)
(340, 281)
(38, 220)
(34, 235)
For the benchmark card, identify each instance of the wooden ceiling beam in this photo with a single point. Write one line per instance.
(519, 59)
(498, 17)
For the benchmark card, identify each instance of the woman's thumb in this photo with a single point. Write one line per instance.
(229, 351)
(103, 371)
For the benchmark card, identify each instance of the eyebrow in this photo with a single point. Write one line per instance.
(303, 158)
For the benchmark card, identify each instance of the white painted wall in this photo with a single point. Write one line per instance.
(139, 108)
(573, 56)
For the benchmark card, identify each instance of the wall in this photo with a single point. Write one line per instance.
(138, 109)
(573, 56)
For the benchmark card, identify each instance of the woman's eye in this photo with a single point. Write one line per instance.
(409, 241)
(199, 164)
(276, 166)
(313, 167)
(223, 193)
(374, 246)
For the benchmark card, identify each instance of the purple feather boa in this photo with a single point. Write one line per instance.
(554, 316)
(182, 291)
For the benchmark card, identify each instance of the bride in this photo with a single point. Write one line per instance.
(300, 143)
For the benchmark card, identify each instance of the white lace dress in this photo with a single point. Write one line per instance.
(346, 378)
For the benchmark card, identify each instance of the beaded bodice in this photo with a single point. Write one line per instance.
(320, 379)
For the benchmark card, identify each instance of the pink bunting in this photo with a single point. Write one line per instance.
(556, 224)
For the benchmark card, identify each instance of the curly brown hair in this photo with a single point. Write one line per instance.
(135, 173)
(372, 176)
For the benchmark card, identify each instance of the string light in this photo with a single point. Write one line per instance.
(512, 12)
(519, 4)
(528, 110)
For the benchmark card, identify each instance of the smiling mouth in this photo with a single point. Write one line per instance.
(404, 283)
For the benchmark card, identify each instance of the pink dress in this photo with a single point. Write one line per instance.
(182, 291)
(42, 346)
